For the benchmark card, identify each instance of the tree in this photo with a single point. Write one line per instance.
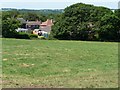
(42, 17)
(117, 13)
(10, 14)
(31, 16)
(110, 27)
(79, 22)
(8, 27)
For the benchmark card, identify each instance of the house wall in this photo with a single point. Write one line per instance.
(46, 28)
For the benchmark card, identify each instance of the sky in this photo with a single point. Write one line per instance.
(54, 4)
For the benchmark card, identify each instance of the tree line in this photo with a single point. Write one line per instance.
(77, 22)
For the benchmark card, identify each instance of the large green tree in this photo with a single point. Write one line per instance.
(81, 22)
(110, 27)
(9, 26)
(9, 23)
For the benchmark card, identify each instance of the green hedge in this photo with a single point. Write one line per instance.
(33, 36)
(22, 36)
(42, 37)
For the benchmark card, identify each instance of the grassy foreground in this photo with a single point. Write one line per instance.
(63, 64)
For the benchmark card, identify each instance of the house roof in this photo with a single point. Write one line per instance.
(33, 22)
(47, 23)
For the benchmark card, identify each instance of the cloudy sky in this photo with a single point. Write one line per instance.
(54, 4)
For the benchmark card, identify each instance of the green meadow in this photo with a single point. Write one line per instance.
(59, 64)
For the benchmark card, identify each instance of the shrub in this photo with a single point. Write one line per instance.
(50, 37)
(42, 37)
(22, 36)
(33, 36)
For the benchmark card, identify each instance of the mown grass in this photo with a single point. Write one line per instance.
(63, 64)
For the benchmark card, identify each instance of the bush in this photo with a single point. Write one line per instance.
(50, 37)
(22, 36)
(33, 36)
(42, 37)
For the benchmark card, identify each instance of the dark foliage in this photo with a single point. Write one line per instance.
(33, 36)
(22, 36)
(87, 22)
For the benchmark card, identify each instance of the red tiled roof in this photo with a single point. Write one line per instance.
(47, 23)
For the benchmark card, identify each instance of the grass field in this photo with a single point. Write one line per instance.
(63, 64)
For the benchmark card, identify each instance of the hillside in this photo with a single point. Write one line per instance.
(54, 63)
